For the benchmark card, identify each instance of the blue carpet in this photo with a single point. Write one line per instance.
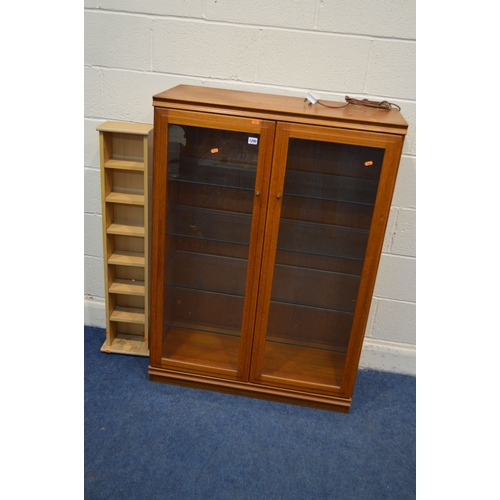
(146, 441)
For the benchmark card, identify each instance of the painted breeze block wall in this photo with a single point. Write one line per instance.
(330, 48)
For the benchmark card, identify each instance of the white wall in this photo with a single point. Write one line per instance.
(333, 48)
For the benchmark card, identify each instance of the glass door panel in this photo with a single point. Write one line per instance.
(328, 198)
(211, 176)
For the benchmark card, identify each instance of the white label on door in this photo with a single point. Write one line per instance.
(253, 140)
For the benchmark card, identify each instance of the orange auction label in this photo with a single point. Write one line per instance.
(255, 122)
(214, 150)
(368, 163)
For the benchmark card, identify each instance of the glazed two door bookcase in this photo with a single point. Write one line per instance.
(268, 222)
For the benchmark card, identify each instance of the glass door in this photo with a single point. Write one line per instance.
(321, 206)
(214, 213)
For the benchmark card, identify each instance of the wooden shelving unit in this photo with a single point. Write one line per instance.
(125, 159)
(268, 225)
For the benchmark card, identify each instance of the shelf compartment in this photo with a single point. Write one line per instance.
(127, 145)
(128, 301)
(127, 344)
(305, 325)
(218, 248)
(126, 338)
(234, 149)
(124, 181)
(125, 214)
(330, 187)
(211, 225)
(335, 158)
(322, 239)
(118, 243)
(334, 213)
(215, 311)
(185, 345)
(210, 197)
(207, 272)
(301, 367)
(237, 176)
(127, 275)
(332, 291)
(319, 262)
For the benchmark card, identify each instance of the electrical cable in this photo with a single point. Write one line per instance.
(362, 102)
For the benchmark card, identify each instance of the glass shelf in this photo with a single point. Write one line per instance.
(322, 239)
(302, 237)
(346, 160)
(323, 211)
(211, 273)
(331, 187)
(214, 225)
(231, 175)
(310, 287)
(202, 310)
(298, 323)
(202, 329)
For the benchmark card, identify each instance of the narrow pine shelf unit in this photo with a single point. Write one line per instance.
(125, 159)
(268, 224)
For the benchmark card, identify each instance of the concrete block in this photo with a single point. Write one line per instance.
(117, 40)
(93, 235)
(91, 143)
(395, 321)
(208, 50)
(291, 14)
(93, 104)
(252, 87)
(409, 112)
(404, 234)
(393, 214)
(396, 278)
(405, 191)
(392, 69)
(384, 18)
(93, 276)
(413, 143)
(371, 317)
(128, 95)
(193, 8)
(92, 190)
(313, 60)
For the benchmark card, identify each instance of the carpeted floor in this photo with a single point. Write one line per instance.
(149, 441)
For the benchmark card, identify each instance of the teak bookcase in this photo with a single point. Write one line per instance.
(268, 222)
(125, 157)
